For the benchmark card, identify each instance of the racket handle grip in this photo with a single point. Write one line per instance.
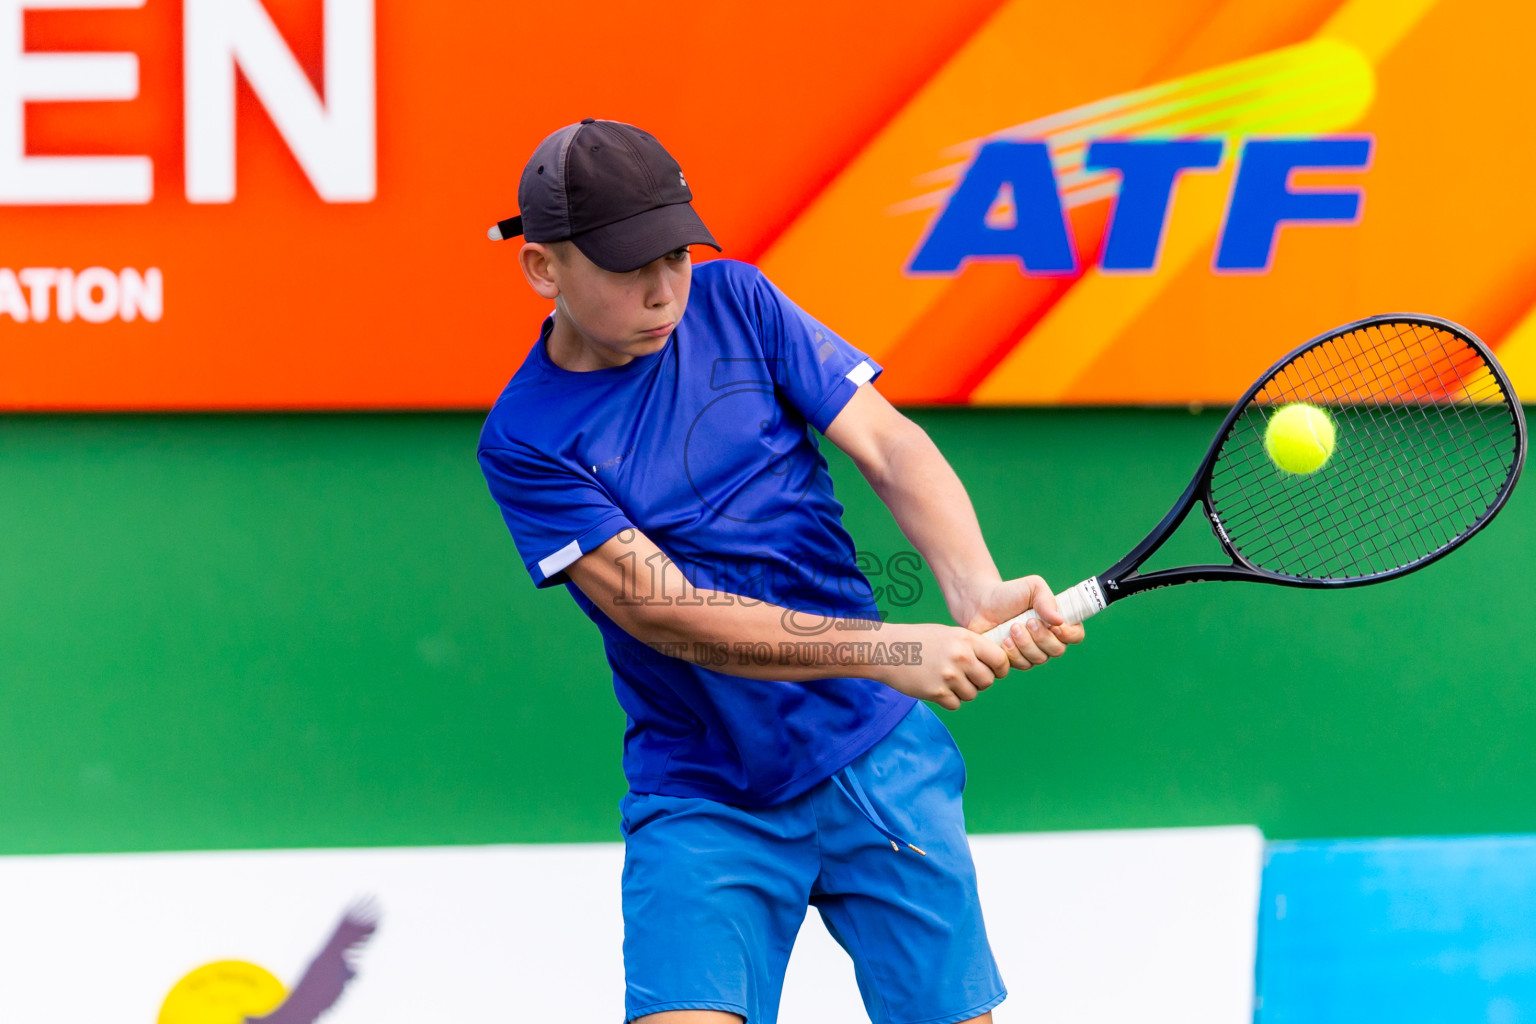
(1076, 603)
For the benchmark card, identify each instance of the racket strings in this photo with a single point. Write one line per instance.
(1425, 441)
(1330, 545)
(1261, 464)
(1432, 514)
(1371, 550)
(1373, 544)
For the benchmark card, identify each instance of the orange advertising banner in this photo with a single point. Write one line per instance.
(280, 204)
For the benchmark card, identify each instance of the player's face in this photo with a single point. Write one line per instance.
(616, 317)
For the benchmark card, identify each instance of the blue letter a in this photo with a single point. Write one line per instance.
(1038, 237)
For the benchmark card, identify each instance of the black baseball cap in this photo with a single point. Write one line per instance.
(611, 189)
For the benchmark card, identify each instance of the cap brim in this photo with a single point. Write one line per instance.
(631, 243)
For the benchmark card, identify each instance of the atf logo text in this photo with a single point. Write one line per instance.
(1008, 203)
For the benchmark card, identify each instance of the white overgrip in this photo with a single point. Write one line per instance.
(1076, 603)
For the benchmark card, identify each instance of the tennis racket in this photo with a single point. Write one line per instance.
(1429, 441)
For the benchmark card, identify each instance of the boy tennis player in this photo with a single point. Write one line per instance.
(654, 454)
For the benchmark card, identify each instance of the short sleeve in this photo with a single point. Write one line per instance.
(815, 368)
(555, 513)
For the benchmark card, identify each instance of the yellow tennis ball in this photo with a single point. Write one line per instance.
(1299, 438)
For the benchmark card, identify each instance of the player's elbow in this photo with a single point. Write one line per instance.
(656, 621)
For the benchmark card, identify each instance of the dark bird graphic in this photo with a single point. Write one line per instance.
(328, 973)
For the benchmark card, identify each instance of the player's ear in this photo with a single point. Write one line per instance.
(541, 268)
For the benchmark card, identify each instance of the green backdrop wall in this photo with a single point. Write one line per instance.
(260, 631)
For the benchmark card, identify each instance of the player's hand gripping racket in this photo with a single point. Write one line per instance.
(1427, 442)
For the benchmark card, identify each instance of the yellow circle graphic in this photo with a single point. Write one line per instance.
(222, 993)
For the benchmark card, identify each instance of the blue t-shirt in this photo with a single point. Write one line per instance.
(705, 446)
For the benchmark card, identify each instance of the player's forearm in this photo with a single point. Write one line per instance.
(935, 513)
(659, 607)
(744, 637)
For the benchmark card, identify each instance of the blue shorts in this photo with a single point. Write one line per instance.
(714, 894)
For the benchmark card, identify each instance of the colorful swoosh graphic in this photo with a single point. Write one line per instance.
(992, 334)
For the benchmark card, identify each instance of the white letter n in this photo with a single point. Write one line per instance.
(333, 140)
